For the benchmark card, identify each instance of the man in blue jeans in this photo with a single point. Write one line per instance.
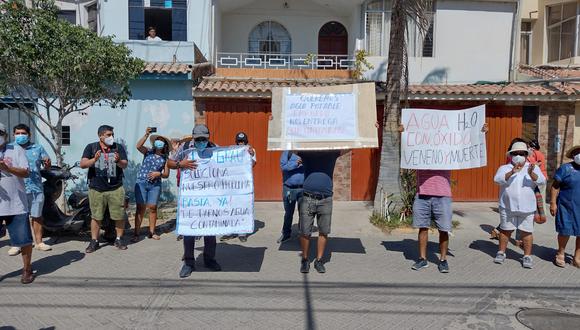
(293, 177)
(14, 202)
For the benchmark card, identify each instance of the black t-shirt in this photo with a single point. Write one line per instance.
(318, 170)
(105, 175)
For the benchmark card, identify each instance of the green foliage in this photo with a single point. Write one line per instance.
(408, 191)
(59, 67)
(361, 64)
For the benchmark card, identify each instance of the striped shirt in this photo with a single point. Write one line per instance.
(434, 183)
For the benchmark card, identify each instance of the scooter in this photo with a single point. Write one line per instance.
(78, 220)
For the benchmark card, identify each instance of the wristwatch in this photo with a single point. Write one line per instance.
(177, 164)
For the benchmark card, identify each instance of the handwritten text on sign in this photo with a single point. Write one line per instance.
(443, 139)
(320, 116)
(217, 198)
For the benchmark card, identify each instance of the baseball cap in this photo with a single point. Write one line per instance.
(241, 137)
(200, 130)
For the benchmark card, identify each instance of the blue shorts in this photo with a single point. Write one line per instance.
(147, 193)
(437, 208)
(36, 203)
(18, 228)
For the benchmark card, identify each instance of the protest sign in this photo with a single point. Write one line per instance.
(217, 198)
(322, 118)
(443, 139)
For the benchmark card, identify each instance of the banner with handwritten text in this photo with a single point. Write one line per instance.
(217, 198)
(443, 139)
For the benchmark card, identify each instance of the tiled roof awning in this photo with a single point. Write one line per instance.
(167, 68)
(262, 88)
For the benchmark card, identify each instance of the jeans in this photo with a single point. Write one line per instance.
(209, 245)
(290, 196)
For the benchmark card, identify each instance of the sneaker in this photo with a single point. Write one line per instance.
(243, 238)
(420, 264)
(14, 251)
(443, 266)
(213, 265)
(43, 247)
(120, 245)
(186, 270)
(227, 237)
(527, 262)
(499, 258)
(283, 238)
(93, 246)
(319, 266)
(305, 266)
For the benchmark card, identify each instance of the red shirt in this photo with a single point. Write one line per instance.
(434, 183)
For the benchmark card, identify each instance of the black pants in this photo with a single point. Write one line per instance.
(209, 244)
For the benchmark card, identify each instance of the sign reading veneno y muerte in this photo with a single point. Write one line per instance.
(319, 118)
(217, 198)
(443, 139)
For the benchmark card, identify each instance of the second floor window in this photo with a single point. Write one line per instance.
(167, 17)
(526, 43)
(270, 38)
(561, 30)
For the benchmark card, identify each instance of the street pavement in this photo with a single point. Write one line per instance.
(369, 283)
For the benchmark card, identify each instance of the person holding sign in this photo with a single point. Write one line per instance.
(105, 160)
(316, 203)
(433, 201)
(517, 201)
(181, 160)
(148, 185)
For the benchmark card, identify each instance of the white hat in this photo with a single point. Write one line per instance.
(519, 146)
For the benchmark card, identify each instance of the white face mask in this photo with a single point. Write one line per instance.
(109, 141)
(518, 160)
(577, 159)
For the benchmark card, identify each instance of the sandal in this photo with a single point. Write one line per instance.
(560, 260)
(135, 239)
(153, 236)
(494, 234)
(27, 277)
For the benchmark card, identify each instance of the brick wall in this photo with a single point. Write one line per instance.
(341, 178)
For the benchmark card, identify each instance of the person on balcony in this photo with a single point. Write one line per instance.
(152, 34)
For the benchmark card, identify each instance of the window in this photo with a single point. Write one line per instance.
(92, 17)
(65, 136)
(68, 15)
(270, 38)
(526, 43)
(562, 34)
(168, 17)
(378, 30)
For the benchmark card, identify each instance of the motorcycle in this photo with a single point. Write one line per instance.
(78, 220)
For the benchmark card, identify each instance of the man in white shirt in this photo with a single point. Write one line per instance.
(517, 201)
(152, 34)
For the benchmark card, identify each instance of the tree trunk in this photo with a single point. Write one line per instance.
(389, 171)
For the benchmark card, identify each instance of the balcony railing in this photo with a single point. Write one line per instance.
(161, 51)
(284, 61)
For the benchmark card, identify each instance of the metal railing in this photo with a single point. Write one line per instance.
(284, 61)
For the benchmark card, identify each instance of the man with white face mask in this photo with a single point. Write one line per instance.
(517, 200)
(105, 160)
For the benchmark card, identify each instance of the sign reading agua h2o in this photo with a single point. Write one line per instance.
(320, 116)
(217, 198)
(443, 139)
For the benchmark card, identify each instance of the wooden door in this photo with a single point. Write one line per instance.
(225, 118)
(332, 40)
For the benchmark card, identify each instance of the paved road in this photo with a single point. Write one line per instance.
(369, 284)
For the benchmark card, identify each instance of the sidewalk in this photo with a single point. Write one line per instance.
(369, 283)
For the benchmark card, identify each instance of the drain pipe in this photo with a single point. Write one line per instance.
(516, 26)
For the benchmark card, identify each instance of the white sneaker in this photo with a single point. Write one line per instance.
(14, 251)
(43, 247)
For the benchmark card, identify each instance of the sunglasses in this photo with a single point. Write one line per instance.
(200, 140)
(519, 153)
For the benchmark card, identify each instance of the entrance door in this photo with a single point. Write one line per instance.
(332, 40)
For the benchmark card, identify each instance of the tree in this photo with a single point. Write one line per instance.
(50, 69)
(397, 85)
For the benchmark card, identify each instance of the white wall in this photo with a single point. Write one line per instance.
(303, 19)
(114, 18)
(472, 43)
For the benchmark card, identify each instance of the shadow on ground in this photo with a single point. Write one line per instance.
(50, 264)
(235, 258)
(335, 245)
(410, 249)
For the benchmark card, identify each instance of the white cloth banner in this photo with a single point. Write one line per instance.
(320, 116)
(217, 198)
(443, 139)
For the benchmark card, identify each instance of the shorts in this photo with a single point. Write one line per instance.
(18, 228)
(114, 200)
(36, 203)
(437, 208)
(147, 193)
(515, 220)
(309, 208)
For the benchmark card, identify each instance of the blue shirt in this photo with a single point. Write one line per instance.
(151, 163)
(35, 154)
(292, 172)
(318, 171)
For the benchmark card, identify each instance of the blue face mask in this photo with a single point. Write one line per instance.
(21, 139)
(200, 144)
(159, 144)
